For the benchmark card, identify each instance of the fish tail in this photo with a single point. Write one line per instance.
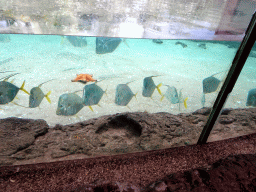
(162, 98)
(185, 102)
(106, 92)
(91, 108)
(47, 97)
(22, 88)
(157, 87)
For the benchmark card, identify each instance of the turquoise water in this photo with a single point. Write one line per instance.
(42, 58)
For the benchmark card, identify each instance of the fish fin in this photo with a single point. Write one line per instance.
(185, 102)
(47, 97)
(12, 81)
(155, 76)
(125, 42)
(130, 82)
(106, 92)
(99, 105)
(136, 96)
(22, 88)
(162, 98)
(18, 104)
(217, 73)
(9, 76)
(90, 108)
(77, 91)
(128, 107)
(62, 40)
(157, 87)
(45, 82)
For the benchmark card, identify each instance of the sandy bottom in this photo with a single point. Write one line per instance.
(42, 58)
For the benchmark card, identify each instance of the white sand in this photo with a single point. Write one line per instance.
(41, 58)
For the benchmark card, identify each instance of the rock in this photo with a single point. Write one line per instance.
(34, 141)
(18, 134)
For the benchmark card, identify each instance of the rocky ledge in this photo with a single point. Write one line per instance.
(25, 141)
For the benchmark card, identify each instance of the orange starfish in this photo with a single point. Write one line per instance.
(83, 78)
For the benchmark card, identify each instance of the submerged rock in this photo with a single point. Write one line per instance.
(27, 139)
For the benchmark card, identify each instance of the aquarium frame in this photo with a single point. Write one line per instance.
(231, 78)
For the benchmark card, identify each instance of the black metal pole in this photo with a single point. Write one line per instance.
(230, 81)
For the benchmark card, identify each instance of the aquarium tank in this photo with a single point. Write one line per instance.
(92, 78)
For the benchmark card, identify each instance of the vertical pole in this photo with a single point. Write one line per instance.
(230, 81)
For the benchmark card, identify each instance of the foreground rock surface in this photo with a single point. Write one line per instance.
(26, 141)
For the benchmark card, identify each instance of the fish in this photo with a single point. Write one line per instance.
(124, 94)
(158, 41)
(202, 45)
(83, 78)
(149, 87)
(77, 41)
(171, 94)
(251, 98)
(92, 95)
(8, 91)
(252, 54)
(106, 45)
(182, 44)
(210, 84)
(36, 96)
(69, 104)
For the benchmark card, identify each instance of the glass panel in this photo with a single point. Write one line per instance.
(161, 77)
(161, 19)
(238, 116)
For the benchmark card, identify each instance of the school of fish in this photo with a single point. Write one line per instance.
(70, 103)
